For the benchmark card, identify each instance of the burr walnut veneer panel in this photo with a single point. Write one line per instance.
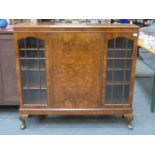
(76, 66)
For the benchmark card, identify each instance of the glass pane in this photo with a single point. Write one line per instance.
(110, 63)
(21, 43)
(23, 63)
(110, 54)
(24, 79)
(42, 54)
(119, 63)
(109, 76)
(119, 76)
(129, 54)
(120, 43)
(108, 94)
(111, 43)
(117, 94)
(25, 97)
(32, 64)
(128, 63)
(33, 78)
(126, 94)
(44, 96)
(43, 79)
(32, 54)
(120, 54)
(130, 43)
(35, 96)
(42, 63)
(31, 43)
(22, 53)
(127, 75)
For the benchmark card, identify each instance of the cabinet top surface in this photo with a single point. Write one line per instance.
(65, 26)
(72, 25)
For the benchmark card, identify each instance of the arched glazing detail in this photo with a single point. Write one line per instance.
(33, 70)
(119, 64)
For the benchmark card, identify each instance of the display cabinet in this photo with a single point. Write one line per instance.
(75, 69)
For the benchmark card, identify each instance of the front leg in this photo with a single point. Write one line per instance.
(129, 118)
(23, 118)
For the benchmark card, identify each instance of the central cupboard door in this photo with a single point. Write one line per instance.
(75, 59)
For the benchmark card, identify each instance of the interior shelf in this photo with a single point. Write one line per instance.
(32, 69)
(120, 49)
(30, 49)
(118, 69)
(118, 83)
(119, 58)
(34, 87)
(25, 58)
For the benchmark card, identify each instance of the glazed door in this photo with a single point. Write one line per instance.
(75, 57)
(32, 62)
(120, 57)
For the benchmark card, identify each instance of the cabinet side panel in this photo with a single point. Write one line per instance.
(76, 66)
(8, 71)
(1, 85)
(133, 72)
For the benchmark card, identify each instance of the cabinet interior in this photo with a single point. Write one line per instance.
(33, 70)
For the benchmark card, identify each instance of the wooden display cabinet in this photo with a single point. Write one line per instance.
(76, 69)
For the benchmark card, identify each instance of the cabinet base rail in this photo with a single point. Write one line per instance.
(25, 113)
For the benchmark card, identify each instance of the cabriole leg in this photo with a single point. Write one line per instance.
(129, 118)
(23, 121)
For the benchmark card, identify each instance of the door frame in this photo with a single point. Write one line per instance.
(42, 36)
(106, 37)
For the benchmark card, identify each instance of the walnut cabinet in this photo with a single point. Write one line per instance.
(76, 69)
